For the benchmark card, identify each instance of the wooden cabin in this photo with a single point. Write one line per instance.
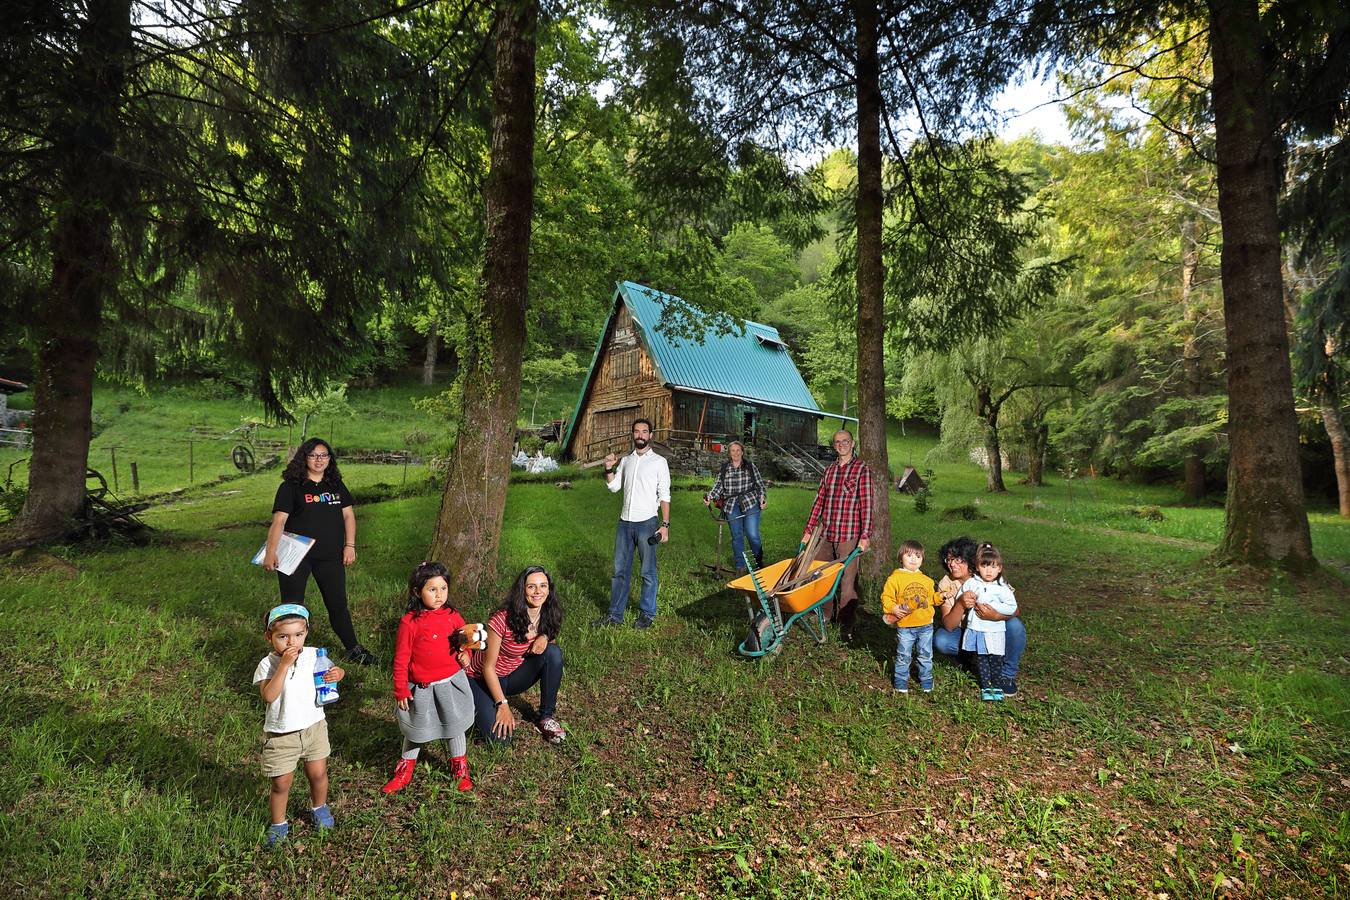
(696, 393)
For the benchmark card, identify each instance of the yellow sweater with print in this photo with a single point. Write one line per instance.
(913, 590)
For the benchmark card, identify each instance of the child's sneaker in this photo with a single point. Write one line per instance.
(902, 689)
(276, 835)
(323, 818)
(926, 688)
(552, 730)
(986, 693)
(1010, 687)
(997, 694)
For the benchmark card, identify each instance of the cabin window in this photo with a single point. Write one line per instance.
(613, 422)
(624, 364)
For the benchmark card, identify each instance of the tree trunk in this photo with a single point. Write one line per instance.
(66, 323)
(468, 526)
(1190, 354)
(1040, 442)
(1329, 400)
(871, 399)
(1266, 522)
(429, 361)
(989, 413)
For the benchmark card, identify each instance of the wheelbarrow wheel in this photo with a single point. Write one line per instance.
(762, 634)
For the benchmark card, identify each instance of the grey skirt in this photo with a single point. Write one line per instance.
(442, 709)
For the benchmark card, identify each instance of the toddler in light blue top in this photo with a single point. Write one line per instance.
(985, 637)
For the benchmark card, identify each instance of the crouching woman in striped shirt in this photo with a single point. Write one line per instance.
(522, 649)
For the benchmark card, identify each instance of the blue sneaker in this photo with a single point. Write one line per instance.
(1009, 687)
(986, 693)
(926, 688)
(276, 835)
(996, 694)
(901, 688)
(323, 818)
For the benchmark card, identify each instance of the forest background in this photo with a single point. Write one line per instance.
(305, 210)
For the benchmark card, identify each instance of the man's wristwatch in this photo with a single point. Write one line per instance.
(499, 703)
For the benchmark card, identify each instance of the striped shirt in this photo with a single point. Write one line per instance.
(512, 653)
(742, 485)
(844, 501)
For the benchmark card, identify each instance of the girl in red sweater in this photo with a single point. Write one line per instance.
(432, 691)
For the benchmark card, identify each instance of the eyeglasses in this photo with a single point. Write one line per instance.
(318, 455)
(843, 443)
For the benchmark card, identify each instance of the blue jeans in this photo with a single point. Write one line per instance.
(745, 525)
(908, 640)
(629, 536)
(947, 641)
(546, 669)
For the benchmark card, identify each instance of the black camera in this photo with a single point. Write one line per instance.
(655, 538)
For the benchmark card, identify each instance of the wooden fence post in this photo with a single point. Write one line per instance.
(113, 452)
(135, 478)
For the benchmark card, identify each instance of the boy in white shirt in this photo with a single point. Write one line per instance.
(295, 727)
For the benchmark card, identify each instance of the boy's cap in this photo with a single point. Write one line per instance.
(287, 609)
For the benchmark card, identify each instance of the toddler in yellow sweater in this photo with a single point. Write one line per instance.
(907, 601)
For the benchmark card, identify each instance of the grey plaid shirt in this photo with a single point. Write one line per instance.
(743, 485)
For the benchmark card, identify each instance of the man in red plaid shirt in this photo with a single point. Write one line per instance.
(844, 502)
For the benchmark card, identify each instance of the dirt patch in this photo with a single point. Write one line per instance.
(36, 562)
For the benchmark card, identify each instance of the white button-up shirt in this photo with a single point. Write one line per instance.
(644, 479)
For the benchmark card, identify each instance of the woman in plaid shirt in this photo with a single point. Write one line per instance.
(738, 482)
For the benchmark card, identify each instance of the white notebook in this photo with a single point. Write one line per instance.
(290, 550)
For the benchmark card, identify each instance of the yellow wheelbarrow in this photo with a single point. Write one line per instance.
(795, 585)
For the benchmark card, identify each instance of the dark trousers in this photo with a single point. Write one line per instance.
(844, 608)
(990, 669)
(546, 668)
(331, 577)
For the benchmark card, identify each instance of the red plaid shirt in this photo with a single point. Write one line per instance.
(844, 501)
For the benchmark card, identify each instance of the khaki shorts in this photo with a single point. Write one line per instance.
(282, 750)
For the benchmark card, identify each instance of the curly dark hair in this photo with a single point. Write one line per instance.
(424, 572)
(296, 471)
(517, 610)
(960, 548)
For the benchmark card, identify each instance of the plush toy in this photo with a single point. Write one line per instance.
(469, 637)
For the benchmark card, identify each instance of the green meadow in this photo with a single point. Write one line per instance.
(1181, 729)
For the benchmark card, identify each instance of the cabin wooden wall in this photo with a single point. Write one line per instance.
(723, 419)
(625, 387)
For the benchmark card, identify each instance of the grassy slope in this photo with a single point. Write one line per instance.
(1179, 726)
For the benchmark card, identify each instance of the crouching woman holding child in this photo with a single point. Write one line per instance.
(958, 557)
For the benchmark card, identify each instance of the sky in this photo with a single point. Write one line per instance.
(1030, 107)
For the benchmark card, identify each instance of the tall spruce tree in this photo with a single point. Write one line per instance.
(191, 168)
(474, 499)
(1275, 67)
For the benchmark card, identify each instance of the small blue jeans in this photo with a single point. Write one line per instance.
(916, 640)
(745, 525)
(947, 641)
(632, 536)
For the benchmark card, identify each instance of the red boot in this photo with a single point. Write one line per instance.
(459, 768)
(403, 775)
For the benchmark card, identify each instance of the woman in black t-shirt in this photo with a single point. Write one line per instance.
(313, 501)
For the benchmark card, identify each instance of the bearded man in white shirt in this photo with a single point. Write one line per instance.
(644, 478)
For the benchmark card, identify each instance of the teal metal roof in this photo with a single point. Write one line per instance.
(754, 366)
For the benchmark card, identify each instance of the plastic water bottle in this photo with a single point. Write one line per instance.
(324, 692)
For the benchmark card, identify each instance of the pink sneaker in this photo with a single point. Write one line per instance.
(552, 730)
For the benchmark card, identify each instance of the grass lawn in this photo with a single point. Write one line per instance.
(1181, 731)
